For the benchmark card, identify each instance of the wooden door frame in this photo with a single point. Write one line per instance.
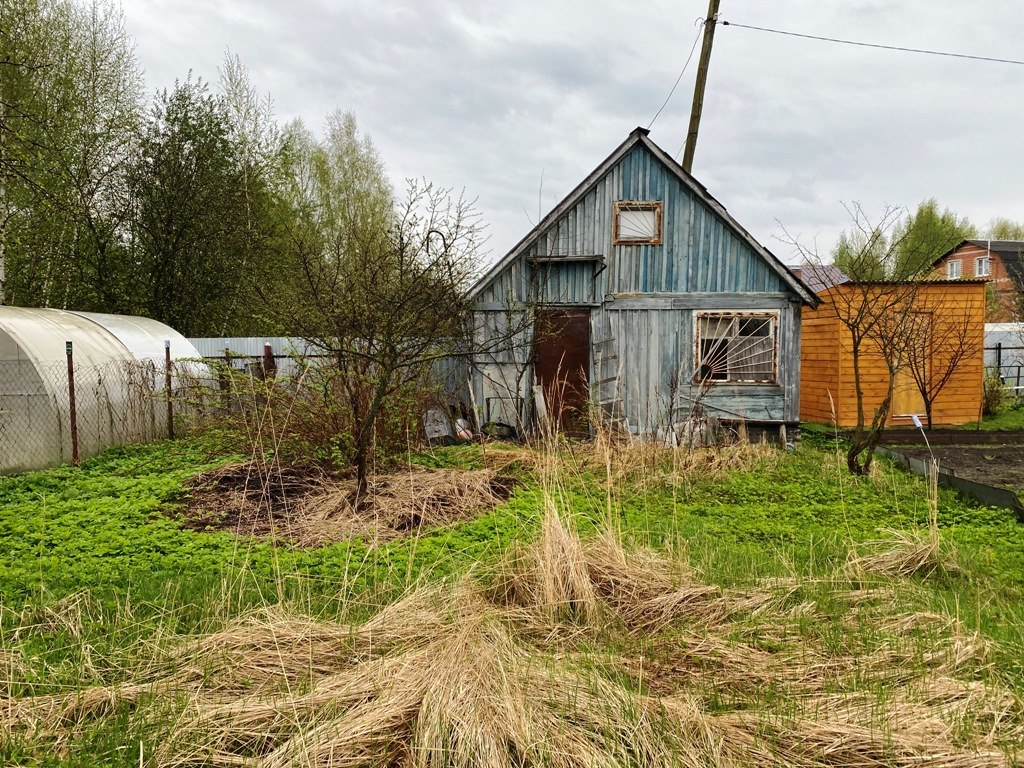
(584, 313)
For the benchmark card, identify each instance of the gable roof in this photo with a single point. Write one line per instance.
(1010, 252)
(639, 137)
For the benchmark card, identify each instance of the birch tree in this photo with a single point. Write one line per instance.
(70, 93)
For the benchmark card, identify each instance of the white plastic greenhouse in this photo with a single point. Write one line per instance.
(119, 375)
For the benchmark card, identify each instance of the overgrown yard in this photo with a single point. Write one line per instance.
(625, 605)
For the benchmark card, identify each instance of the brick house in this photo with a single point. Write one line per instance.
(1000, 263)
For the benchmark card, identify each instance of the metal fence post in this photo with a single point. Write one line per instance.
(72, 405)
(225, 380)
(167, 387)
(269, 363)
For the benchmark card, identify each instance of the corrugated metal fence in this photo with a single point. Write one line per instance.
(287, 354)
(241, 351)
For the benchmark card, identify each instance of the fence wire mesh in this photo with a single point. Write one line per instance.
(54, 412)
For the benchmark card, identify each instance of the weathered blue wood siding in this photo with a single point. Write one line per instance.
(699, 253)
(644, 296)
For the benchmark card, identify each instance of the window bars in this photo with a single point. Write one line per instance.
(735, 347)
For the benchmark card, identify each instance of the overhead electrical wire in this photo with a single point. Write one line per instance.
(700, 27)
(873, 45)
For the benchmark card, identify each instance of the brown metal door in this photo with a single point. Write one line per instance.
(561, 363)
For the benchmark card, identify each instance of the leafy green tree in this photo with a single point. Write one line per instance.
(189, 226)
(925, 235)
(261, 152)
(862, 255)
(900, 245)
(865, 251)
(69, 108)
(1004, 229)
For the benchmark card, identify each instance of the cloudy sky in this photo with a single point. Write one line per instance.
(517, 101)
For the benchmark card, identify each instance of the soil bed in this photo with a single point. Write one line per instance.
(306, 508)
(997, 465)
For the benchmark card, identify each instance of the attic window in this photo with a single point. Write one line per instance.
(735, 347)
(954, 269)
(981, 266)
(637, 222)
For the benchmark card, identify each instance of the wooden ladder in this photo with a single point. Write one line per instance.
(605, 388)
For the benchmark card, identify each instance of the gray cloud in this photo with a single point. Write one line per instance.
(488, 96)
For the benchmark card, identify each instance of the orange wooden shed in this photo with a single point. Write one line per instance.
(948, 344)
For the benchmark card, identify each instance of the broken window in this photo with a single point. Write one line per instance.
(637, 222)
(735, 347)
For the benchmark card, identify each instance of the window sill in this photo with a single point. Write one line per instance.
(733, 386)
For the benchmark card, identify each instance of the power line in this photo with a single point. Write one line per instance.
(875, 45)
(681, 72)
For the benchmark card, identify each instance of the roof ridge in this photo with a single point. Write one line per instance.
(640, 135)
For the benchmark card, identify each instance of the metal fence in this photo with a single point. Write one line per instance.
(289, 356)
(59, 412)
(1007, 362)
(287, 352)
(66, 411)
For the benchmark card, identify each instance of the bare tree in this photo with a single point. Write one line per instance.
(943, 331)
(877, 316)
(381, 288)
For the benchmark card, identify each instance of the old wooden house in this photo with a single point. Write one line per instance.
(641, 298)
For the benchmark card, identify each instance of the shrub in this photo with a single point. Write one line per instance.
(998, 397)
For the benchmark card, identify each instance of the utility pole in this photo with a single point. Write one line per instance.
(698, 87)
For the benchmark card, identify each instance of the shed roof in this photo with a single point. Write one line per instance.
(639, 136)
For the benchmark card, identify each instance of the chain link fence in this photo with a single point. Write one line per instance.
(55, 413)
(63, 412)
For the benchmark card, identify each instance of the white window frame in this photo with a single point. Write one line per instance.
(983, 266)
(773, 318)
(638, 205)
(954, 269)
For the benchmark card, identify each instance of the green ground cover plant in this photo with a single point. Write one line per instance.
(97, 579)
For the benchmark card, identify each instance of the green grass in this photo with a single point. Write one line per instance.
(93, 569)
(1011, 419)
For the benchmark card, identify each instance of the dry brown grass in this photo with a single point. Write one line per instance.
(905, 553)
(640, 463)
(574, 653)
(914, 552)
(306, 508)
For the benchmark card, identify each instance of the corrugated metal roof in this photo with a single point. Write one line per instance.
(818, 277)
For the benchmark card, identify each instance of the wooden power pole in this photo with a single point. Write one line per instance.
(698, 87)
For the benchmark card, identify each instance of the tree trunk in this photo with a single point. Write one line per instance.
(3, 210)
(361, 460)
(364, 437)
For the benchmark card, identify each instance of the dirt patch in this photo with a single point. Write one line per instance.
(304, 507)
(996, 465)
